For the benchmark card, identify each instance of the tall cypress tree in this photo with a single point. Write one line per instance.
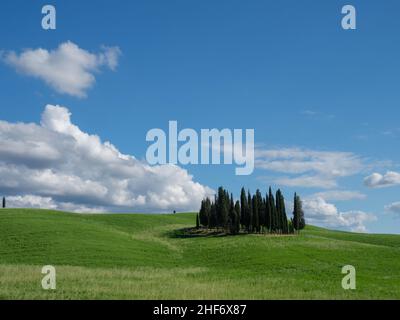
(282, 208)
(237, 221)
(291, 228)
(298, 214)
(213, 216)
(4, 202)
(267, 213)
(274, 225)
(201, 215)
(222, 204)
(243, 207)
(278, 211)
(249, 225)
(232, 217)
(255, 222)
(207, 211)
(260, 210)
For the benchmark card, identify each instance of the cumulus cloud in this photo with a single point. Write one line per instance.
(319, 212)
(377, 180)
(67, 69)
(309, 168)
(57, 165)
(393, 208)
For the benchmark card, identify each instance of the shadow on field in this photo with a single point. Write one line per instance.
(200, 233)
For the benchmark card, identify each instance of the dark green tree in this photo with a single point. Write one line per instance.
(298, 214)
(243, 208)
(278, 211)
(274, 225)
(283, 223)
(213, 216)
(249, 225)
(232, 217)
(202, 214)
(207, 208)
(256, 211)
(222, 204)
(197, 221)
(4, 202)
(267, 213)
(291, 228)
(237, 213)
(260, 210)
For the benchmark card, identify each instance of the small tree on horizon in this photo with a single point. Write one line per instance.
(4, 202)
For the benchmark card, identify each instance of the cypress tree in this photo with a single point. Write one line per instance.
(249, 225)
(302, 223)
(298, 214)
(278, 211)
(281, 213)
(285, 227)
(201, 215)
(4, 202)
(255, 223)
(222, 208)
(274, 226)
(232, 217)
(213, 216)
(261, 211)
(291, 228)
(237, 213)
(207, 212)
(243, 208)
(197, 221)
(267, 213)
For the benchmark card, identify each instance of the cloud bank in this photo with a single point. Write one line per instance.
(57, 165)
(393, 208)
(340, 195)
(67, 69)
(377, 180)
(319, 212)
(309, 168)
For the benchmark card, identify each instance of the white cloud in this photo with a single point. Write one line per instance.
(377, 180)
(67, 69)
(339, 195)
(319, 212)
(31, 201)
(393, 208)
(57, 164)
(309, 168)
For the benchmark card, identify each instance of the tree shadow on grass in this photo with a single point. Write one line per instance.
(200, 233)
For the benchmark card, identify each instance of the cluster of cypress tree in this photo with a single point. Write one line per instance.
(252, 213)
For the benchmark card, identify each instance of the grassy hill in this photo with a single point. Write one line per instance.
(140, 256)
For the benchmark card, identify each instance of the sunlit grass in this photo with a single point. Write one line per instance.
(139, 256)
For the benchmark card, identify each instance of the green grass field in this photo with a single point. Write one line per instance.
(139, 256)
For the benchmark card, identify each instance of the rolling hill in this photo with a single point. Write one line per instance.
(138, 256)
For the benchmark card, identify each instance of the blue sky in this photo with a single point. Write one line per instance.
(286, 69)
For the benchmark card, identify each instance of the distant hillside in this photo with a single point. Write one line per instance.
(138, 256)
